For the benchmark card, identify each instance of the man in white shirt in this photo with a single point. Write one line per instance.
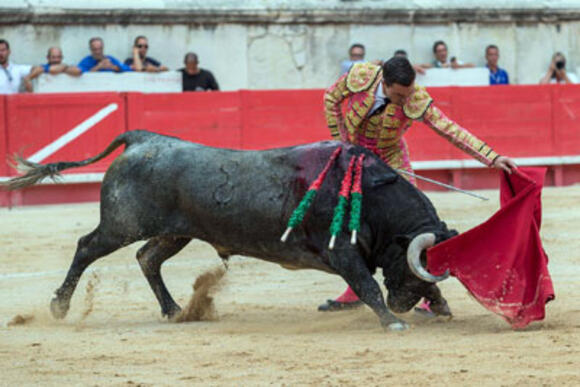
(11, 74)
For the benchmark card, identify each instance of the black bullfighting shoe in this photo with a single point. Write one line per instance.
(334, 306)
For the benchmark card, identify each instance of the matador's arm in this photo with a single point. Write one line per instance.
(458, 136)
(333, 97)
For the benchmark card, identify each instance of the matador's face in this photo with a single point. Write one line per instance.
(398, 94)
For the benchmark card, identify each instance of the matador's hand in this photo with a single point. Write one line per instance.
(504, 163)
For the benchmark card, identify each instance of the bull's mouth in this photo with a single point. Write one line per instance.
(416, 247)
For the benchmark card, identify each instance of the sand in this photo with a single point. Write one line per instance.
(264, 328)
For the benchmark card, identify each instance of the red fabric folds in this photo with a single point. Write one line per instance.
(502, 262)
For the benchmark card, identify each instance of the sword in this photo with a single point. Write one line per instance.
(450, 187)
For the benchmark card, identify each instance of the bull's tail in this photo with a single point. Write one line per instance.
(34, 173)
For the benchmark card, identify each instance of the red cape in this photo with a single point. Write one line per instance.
(502, 262)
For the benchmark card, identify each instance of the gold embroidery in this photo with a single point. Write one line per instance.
(387, 144)
(391, 122)
(391, 109)
(388, 133)
(418, 103)
(360, 110)
(362, 76)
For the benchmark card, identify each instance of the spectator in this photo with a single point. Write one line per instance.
(11, 75)
(53, 66)
(497, 75)
(98, 61)
(557, 71)
(195, 78)
(440, 61)
(140, 61)
(403, 53)
(356, 54)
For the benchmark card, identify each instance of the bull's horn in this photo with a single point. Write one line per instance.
(417, 245)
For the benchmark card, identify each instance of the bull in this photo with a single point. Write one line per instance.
(169, 191)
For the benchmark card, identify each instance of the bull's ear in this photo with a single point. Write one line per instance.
(387, 178)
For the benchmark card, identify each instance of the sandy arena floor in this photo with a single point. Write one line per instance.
(267, 330)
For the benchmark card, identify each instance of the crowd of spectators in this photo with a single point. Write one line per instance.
(15, 78)
(556, 72)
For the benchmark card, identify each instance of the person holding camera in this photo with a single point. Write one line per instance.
(557, 72)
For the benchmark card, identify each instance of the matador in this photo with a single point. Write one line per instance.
(382, 103)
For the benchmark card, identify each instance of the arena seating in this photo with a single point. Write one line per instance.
(536, 125)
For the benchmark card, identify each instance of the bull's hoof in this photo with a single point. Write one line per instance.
(171, 313)
(58, 309)
(334, 306)
(398, 326)
(441, 309)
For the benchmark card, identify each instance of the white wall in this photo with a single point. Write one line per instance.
(297, 54)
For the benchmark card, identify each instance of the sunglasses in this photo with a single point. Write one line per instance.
(142, 46)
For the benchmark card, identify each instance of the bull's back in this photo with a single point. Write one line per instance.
(239, 198)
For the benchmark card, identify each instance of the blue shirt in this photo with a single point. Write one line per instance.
(500, 77)
(89, 62)
(345, 65)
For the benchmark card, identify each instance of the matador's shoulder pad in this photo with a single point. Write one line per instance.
(362, 76)
(418, 103)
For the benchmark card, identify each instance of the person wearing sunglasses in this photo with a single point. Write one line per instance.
(11, 74)
(140, 61)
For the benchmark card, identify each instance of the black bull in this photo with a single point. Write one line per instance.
(169, 191)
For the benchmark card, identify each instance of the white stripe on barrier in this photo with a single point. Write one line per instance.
(73, 133)
(75, 178)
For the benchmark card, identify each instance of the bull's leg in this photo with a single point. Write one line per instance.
(90, 248)
(438, 303)
(350, 266)
(151, 257)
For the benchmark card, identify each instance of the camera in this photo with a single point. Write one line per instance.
(560, 64)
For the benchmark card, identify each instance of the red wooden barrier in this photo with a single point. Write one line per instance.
(210, 118)
(35, 122)
(59, 127)
(279, 118)
(4, 196)
(566, 119)
(515, 121)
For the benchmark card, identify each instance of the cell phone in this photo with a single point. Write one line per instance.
(560, 64)
(453, 59)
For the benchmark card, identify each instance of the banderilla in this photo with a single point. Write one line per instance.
(450, 187)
